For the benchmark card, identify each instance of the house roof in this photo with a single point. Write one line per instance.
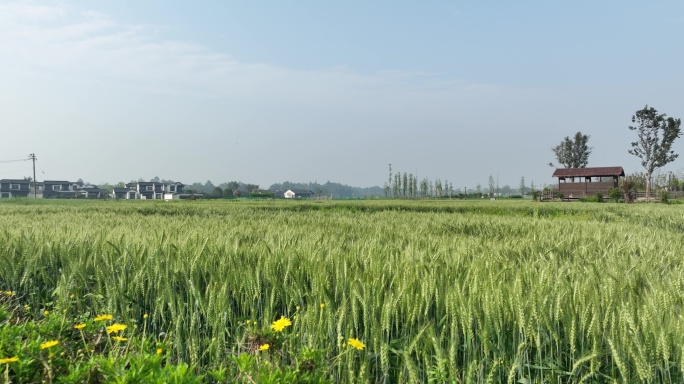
(124, 190)
(589, 172)
(14, 181)
(301, 191)
(154, 183)
(57, 182)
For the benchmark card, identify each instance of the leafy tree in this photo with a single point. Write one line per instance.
(656, 134)
(491, 186)
(573, 152)
(389, 182)
(227, 192)
(216, 193)
(237, 193)
(208, 187)
(251, 187)
(424, 187)
(404, 185)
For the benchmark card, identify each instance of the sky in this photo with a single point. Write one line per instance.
(269, 91)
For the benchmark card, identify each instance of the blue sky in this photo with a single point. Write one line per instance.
(265, 92)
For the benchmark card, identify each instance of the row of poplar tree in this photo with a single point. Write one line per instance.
(407, 185)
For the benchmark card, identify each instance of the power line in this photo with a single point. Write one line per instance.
(13, 161)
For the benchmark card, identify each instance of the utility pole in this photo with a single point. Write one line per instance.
(35, 184)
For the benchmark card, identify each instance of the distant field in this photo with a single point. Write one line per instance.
(466, 291)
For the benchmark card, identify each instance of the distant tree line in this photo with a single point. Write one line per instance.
(223, 190)
(330, 189)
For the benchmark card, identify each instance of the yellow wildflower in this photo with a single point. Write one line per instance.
(322, 305)
(264, 347)
(119, 338)
(103, 318)
(80, 326)
(298, 307)
(10, 293)
(356, 343)
(159, 351)
(145, 316)
(281, 323)
(248, 321)
(72, 296)
(46, 312)
(9, 360)
(116, 327)
(49, 344)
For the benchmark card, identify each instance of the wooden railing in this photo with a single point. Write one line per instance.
(550, 195)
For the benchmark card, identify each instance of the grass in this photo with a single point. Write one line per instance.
(449, 291)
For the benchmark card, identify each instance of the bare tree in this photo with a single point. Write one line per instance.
(656, 134)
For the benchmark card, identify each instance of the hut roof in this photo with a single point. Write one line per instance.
(589, 172)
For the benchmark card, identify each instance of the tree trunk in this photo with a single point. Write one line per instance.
(648, 185)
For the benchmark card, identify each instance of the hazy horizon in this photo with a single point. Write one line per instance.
(267, 92)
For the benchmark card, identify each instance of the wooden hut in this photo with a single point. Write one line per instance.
(575, 183)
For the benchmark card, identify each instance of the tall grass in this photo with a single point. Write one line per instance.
(462, 291)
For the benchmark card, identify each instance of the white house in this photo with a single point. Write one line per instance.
(298, 193)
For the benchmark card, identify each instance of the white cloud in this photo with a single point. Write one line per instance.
(90, 46)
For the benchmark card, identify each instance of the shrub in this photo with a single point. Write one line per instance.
(664, 196)
(614, 194)
(597, 198)
(536, 195)
(628, 188)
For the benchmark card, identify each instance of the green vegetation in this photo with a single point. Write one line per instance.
(447, 291)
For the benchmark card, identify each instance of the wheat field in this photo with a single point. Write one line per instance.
(449, 291)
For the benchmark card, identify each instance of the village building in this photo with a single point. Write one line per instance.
(576, 183)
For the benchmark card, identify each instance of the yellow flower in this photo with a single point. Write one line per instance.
(356, 343)
(159, 351)
(72, 296)
(322, 305)
(10, 293)
(145, 316)
(281, 323)
(264, 347)
(103, 318)
(80, 326)
(116, 327)
(46, 312)
(49, 344)
(9, 360)
(298, 308)
(119, 338)
(248, 321)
